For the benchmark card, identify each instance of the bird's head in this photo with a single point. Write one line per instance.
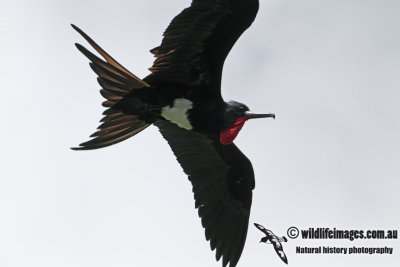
(236, 114)
(264, 239)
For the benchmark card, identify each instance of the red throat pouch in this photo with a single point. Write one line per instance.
(227, 136)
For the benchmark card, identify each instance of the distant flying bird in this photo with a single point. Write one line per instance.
(274, 240)
(182, 97)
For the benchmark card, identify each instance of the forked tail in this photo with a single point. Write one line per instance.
(116, 82)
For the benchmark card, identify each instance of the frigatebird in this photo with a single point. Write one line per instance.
(182, 97)
(274, 240)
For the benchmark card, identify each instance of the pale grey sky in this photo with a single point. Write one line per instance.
(328, 69)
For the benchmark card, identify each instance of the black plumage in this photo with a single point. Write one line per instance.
(222, 179)
(182, 97)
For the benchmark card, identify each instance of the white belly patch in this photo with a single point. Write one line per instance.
(178, 112)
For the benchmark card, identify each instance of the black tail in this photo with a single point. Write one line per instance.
(116, 82)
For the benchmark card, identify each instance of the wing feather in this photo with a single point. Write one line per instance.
(223, 180)
(261, 228)
(197, 41)
(279, 250)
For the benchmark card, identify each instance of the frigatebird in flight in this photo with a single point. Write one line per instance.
(274, 240)
(182, 97)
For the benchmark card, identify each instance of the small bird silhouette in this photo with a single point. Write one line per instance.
(274, 240)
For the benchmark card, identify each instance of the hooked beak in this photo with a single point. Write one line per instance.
(252, 115)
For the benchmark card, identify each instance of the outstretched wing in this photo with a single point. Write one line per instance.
(116, 82)
(279, 250)
(197, 41)
(261, 228)
(223, 180)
